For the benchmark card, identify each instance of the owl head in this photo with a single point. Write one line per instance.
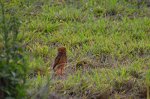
(62, 50)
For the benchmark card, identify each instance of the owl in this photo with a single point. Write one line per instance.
(60, 61)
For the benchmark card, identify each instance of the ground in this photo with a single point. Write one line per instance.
(110, 37)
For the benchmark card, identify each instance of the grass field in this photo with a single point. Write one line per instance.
(112, 38)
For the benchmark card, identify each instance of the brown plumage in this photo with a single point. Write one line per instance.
(60, 61)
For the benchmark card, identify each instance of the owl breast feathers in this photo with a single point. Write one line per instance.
(60, 60)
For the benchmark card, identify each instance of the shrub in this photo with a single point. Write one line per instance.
(13, 67)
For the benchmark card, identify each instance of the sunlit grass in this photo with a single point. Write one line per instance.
(114, 36)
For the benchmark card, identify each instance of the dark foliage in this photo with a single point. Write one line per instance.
(13, 67)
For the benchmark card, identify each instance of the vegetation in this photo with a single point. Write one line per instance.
(13, 68)
(110, 37)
